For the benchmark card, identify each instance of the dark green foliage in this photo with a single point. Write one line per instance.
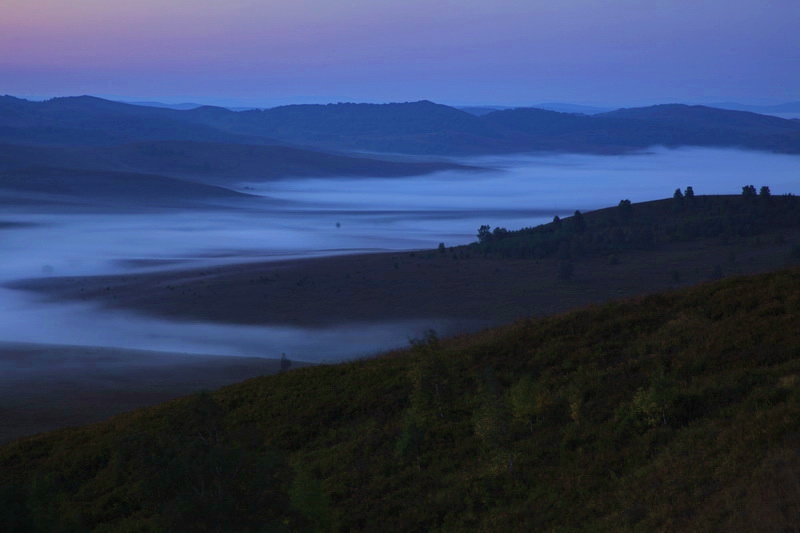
(671, 412)
(499, 234)
(307, 497)
(625, 212)
(749, 191)
(491, 421)
(187, 471)
(484, 234)
(678, 202)
(654, 405)
(578, 223)
(524, 401)
(764, 192)
(689, 194)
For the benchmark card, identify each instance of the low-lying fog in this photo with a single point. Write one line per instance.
(328, 216)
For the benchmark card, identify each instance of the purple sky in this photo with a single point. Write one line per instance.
(452, 51)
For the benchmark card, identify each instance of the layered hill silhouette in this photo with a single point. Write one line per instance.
(85, 120)
(38, 185)
(673, 412)
(215, 163)
(417, 127)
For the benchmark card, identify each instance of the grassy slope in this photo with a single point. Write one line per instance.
(672, 412)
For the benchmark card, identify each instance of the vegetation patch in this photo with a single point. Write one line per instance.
(672, 412)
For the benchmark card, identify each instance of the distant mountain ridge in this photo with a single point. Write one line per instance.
(86, 120)
(788, 107)
(420, 127)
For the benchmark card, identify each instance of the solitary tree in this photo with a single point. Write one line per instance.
(625, 211)
(484, 234)
(677, 201)
(286, 364)
(556, 222)
(578, 223)
(442, 248)
(765, 192)
(689, 192)
(654, 404)
(749, 191)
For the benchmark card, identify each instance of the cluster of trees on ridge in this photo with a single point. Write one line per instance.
(685, 217)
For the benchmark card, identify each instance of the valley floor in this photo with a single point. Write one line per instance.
(383, 287)
(470, 292)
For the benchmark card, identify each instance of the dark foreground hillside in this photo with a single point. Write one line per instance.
(673, 412)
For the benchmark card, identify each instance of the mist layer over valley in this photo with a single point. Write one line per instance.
(255, 221)
(274, 267)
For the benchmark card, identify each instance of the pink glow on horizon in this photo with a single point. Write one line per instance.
(505, 48)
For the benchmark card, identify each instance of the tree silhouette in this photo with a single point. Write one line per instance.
(677, 201)
(286, 364)
(625, 212)
(484, 234)
(578, 223)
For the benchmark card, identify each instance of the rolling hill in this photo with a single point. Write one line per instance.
(672, 412)
(415, 127)
(647, 247)
(73, 186)
(85, 120)
(214, 163)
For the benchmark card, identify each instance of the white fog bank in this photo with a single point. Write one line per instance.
(330, 216)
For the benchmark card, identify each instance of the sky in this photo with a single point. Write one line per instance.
(503, 52)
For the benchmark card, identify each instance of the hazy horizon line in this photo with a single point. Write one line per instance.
(270, 102)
